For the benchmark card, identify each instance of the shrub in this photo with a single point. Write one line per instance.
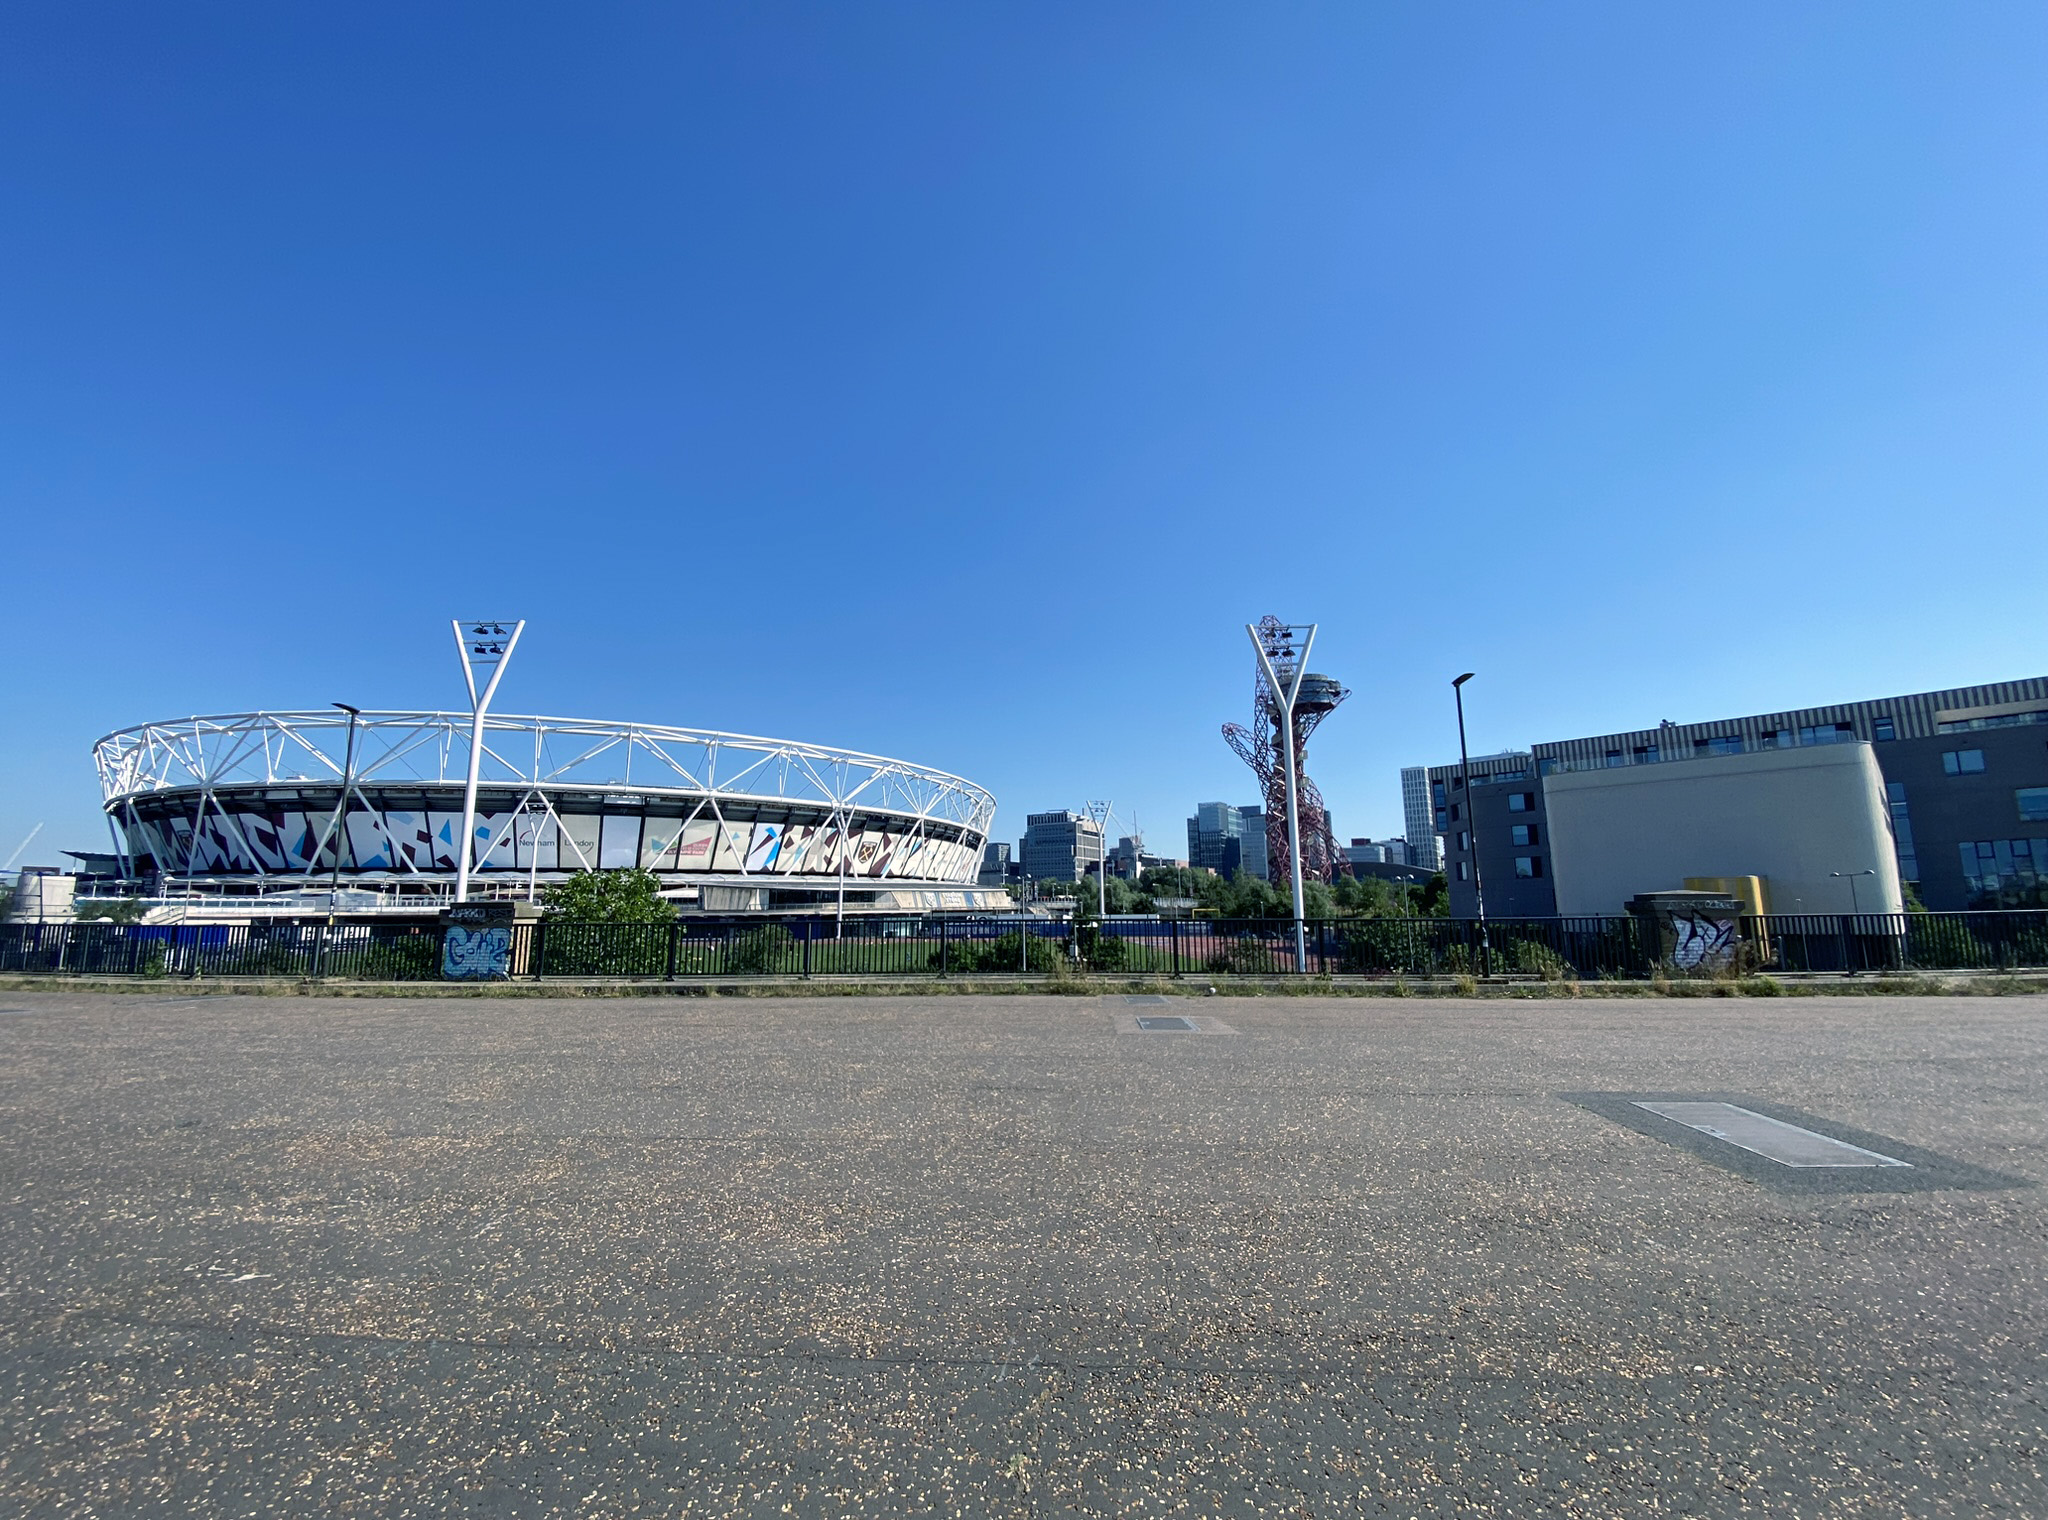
(768, 948)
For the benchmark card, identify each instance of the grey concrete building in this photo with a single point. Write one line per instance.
(1965, 773)
(1812, 824)
(1060, 846)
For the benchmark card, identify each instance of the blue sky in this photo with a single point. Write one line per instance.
(956, 381)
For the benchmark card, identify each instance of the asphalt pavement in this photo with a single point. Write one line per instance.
(1000, 1256)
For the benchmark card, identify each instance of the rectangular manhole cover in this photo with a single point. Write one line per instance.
(1147, 999)
(1165, 1023)
(1774, 1139)
(1784, 1149)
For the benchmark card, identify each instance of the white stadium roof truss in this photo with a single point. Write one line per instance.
(546, 760)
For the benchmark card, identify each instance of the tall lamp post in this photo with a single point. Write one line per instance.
(348, 774)
(340, 832)
(1855, 904)
(1285, 680)
(488, 645)
(1472, 827)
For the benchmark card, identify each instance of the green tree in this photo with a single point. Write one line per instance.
(1436, 898)
(608, 897)
(111, 910)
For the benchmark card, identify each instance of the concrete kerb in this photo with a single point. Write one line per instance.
(1982, 983)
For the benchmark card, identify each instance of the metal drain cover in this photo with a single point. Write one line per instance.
(1784, 1149)
(1165, 1023)
(1773, 1139)
(1148, 999)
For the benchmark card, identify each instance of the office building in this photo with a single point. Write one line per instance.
(1060, 846)
(1227, 839)
(995, 865)
(1500, 829)
(1418, 815)
(1810, 825)
(1378, 851)
(1964, 773)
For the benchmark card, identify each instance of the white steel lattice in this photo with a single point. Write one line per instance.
(232, 750)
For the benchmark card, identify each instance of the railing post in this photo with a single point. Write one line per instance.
(1322, 947)
(809, 925)
(945, 945)
(1173, 924)
(669, 972)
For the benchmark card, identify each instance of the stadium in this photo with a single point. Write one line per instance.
(251, 805)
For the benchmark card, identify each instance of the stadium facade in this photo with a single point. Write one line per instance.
(253, 804)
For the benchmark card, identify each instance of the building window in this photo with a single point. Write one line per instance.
(1527, 866)
(1525, 833)
(1826, 733)
(1963, 762)
(1902, 831)
(2005, 873)
(2000, 720)
(2033, 801)
(1646, 754)
(1464, 870)
(1521, 802)
(1720, 744)
(1443, 820)
(1616, 757)
(1464, 840)
(1436, 793)
(1882, 729)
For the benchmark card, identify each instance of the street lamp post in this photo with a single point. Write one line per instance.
(486, 643)
(1472, 827)
(1283, 703)
(348, 770)
(1855, 903)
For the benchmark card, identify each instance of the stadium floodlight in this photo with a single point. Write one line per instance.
(485, 644)
(1283, 668)
(1100, 812)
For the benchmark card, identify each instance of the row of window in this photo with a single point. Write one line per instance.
(1995, 865)
(1902, 831)
(1882, 731)
(2002, 720)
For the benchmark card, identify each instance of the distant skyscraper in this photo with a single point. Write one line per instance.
(1060, 846)
(1227, 839)
(1423, 846)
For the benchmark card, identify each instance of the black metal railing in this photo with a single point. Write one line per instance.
(1557, 949)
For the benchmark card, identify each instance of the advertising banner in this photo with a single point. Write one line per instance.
(658, 838)
(368, 842)
(694, 852)
(410, 843)
(728, 846)
(578, 842)
(797, 841)
(765, 847)
(533, 843)
(619, 845)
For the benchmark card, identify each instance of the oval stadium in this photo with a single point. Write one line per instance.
(251, 804)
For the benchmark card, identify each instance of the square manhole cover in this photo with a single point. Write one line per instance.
(1165, 1023)
(1784, 1149)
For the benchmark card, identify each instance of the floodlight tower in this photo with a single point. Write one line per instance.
(484, 644)
(1100, 811)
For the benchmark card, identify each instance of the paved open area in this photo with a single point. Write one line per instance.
(1021, 1256)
